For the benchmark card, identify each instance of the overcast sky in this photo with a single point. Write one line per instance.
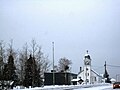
(74, 25)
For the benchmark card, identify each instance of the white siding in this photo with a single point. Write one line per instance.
(94, 78)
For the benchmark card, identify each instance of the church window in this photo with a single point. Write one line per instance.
(86, 74)
(87, 80)
(95, 79)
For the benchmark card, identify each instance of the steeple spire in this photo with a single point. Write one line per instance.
(87, 55)
(106, 75)
(105, 65)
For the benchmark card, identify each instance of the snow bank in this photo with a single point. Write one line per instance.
(58, 87)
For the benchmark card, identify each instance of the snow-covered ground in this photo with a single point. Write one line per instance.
(72, 87)
(108, 87)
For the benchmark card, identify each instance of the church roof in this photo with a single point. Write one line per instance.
(91, 71)
(96, 73)
(80, 72)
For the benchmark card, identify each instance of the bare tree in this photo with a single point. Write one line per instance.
(23, 56)
(34, 47)
(39, 55)
(2, 51)
(46, 64)
(56, 68)
(10, 50)
(43, 62)
(2, 58)
(64, 64)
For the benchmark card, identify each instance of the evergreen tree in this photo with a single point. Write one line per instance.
(28, 73)
(23, 56)
(1, 69)
(2, 58)
(9, 70)
(32, 76)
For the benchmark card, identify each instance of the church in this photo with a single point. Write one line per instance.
(87, 74)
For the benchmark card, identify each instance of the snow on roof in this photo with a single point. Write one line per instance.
(87, 54)
(96, 73)
(93, 72)
(75, 80)
(113, 80)
(80, 72)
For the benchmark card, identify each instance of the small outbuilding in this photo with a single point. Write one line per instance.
(60, 78)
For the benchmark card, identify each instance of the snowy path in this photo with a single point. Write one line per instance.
(98, 88)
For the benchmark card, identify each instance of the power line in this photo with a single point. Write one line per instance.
(97, 67)
(117, 66)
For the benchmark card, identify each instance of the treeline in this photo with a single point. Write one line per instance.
(26, 66)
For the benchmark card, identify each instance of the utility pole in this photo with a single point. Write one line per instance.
(53, 65)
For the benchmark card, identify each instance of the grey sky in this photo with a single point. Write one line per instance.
(74, 25)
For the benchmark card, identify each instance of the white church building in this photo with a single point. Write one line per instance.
(87, 74)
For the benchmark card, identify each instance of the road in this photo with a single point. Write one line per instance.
(102, 87)
(109, 87)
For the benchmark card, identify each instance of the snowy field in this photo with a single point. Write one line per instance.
(109, 87)
(72, 87)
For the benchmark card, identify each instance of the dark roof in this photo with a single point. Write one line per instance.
(62, 72)
(88, 57)
(106, 75)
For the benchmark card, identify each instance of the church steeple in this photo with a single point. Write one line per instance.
(106, 75)
(87, 59)
(87, 68)
(87, 55)
(88, 75)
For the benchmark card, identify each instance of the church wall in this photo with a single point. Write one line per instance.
(95, 78)
(81, 75)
